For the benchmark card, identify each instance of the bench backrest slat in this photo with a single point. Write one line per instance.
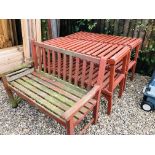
(75, 68)
(67, 52)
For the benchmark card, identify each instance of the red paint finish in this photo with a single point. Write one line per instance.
(114, 53)
(72, 62)
(133, 43)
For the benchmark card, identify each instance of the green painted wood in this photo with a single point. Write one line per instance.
(55, 98)
(19, 75)
(49, 91)
(38, 99)
(16, 72)
(56, 95)
(51, 86)
(67, 86)
(61, 91)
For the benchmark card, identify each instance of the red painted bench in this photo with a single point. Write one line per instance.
(133, 43)
(50, 87)
(117, 62)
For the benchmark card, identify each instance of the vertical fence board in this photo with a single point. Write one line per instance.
(148, 33)
(126, 27)
(116, 26)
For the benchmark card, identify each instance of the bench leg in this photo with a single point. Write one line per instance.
(70, 127)
(12, 99)
(121, 89)
(10, 94)
(109, 105)
(95, 114)
(96, 108)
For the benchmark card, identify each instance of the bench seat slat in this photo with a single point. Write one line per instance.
(63, 101)
(62, 84)
(37, 98)
(55, 101)
(58, 90)
(51, 100)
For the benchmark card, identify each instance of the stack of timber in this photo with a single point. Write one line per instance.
(10, 58)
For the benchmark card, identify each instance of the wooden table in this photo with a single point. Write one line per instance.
(117, 61)
(133, 43)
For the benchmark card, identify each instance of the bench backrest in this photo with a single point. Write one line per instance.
(70, 66)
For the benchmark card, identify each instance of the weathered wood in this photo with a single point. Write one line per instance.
(90, 75)
(17, 72)
(59, 64)
(76, 71)
(64, 67)
(111, 29)
(148, 33)
(44, 60)
(39, 99)
(70, 68)
(49, 61)
(132, 27)
(143, 29)
(70, 113)
(83, 73)
(17, 76)
(61, 83)
(65, 101)
(106, 26)
(116, 26)
(136, 31)
(16, 68)
(126, 27)
(26, 41)
(79, 55)
(54, 96)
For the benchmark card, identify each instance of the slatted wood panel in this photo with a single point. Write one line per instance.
(132, 42)
(85, 72)
(67, 65)
(92, 48)
(113, 42)
(55, 95)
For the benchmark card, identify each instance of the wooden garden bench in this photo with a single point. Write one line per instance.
(66, 100)
(133, 43)
(116, 67)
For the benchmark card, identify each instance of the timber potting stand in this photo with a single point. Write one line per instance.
(49, 86)
(117, 62)
(132, 43)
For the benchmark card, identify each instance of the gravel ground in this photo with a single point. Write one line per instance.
(126, 117)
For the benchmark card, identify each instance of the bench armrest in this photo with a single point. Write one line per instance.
(71, 112)
(119, 56)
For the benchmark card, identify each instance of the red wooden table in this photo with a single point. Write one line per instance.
(115, 71)
(133, 43)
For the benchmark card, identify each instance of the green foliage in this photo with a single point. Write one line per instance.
(44, 29)
(85, 25)
(146, 61)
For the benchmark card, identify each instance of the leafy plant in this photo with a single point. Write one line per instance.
(44, 29)
(85, 25)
